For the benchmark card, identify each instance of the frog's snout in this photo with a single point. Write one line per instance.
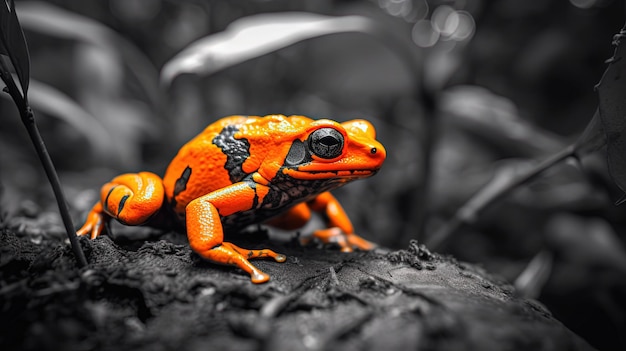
(377, 154)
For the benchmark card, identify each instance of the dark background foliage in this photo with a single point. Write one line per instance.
(504, 83)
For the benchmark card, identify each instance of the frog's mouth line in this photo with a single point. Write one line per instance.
(329, 174)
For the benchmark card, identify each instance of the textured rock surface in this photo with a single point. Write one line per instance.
(158, 295)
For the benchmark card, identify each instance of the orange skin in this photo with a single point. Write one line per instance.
(245, 170)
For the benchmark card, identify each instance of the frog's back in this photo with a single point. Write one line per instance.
(203, 158)
(215, 158)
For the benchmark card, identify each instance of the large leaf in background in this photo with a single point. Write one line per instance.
(592, 138)
(55, 21)
(55, 103)
(254, 36)
(591, 242)
(13, 44)
(612, 93)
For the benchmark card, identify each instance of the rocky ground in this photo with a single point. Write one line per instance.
(158, 295)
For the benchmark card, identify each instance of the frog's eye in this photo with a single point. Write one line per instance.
(326, 143)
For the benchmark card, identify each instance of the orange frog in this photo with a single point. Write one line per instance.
(245, 170)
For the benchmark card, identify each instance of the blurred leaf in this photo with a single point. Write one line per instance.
(507, 175)
(534, 277)
(587, 241)
(496, 119)
(593, 137)
(54, 103)
(54, 21)
(339, 69)
(129, 122)
(255, 36)
(612, 93)
(14, 44)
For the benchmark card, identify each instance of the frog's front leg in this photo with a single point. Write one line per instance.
(131, 198)
(205, 232)
(340, 230)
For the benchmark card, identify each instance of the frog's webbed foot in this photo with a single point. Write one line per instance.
(95, 223)
(230, 254)
(347, 242)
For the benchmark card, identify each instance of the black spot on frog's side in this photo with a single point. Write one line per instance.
(237, 151)
(255, 201)
(181, 182)
(106, 199)
(120, 206)
(180, 185)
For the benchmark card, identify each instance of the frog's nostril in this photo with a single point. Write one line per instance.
(377, 152)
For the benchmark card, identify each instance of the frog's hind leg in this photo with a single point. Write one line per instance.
(131, 198)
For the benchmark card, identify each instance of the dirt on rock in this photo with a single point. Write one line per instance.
(158, 295)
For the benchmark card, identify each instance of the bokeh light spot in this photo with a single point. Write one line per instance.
(583, 4)
(423, 34)
(465, 27)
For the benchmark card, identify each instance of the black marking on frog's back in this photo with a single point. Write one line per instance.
(237, 152)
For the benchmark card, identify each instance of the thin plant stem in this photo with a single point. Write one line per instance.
(28, 118)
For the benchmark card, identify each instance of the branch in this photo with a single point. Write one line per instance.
(500, 186)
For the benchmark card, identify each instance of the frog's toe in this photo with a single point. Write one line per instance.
(258, 277)
(334, 236)
(346, 249)
(83, 230)
(360, 243)
(91, 229)
(268, 253)
(346, 242)
(263, 253)
(94, 224)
